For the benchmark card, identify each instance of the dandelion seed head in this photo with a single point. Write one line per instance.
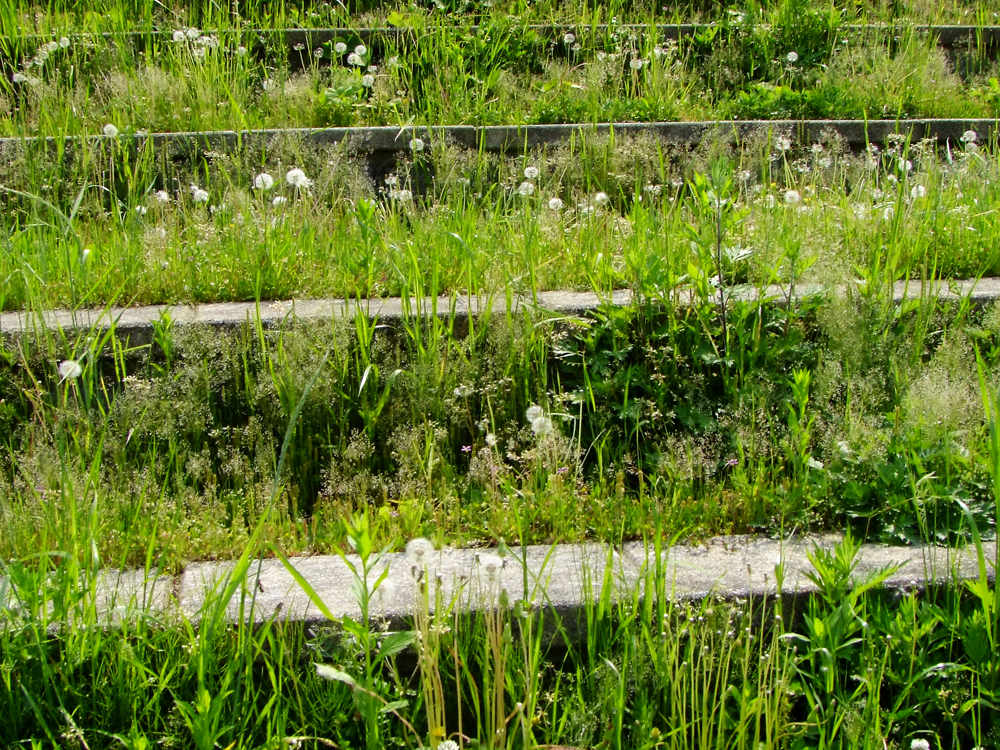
(636, 63)
(556, 204)
(19, 78)
(525, 189)
(419, 551)
(241, 51)
(263, 181)
(179, 36)
(361, 50)
(354, 59)
(279, 200)
(969, 136)
(567, 40)
(199, 195)
(368, 81)
(792, 197)
(193, 33)
(416, 145)
(297, 179)
(600, 199)
(534, 412)
(70, 369)
(402, 196)
(491, 440)
(918, 191)
(530, 173)
(64, 42)
(541, 426)
(782, 143)
(162, 196)
(110, 130)
(340, 48)
(792, 57)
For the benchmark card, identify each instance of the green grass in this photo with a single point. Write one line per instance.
(503, 73)
(113, 227)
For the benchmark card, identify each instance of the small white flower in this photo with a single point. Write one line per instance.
(199, 195)
(64, 42)
(782, 143)
(297, 179)
(340, 48)
(530, 173)
(392, 180)
(792, 197)
(263, 181)
(969, 136)
(556, 204)
(525, 189)
(792, 57)
(179, 36)
(567, 40)
(110, 131)
(416, 145)
(920, 744)
(448, 745)
(600, 199)
(367, 81)
(279, 200)
(162, 196)
(353, 59)
(70, 369)
(918, 191)
(241, 51)
(361, 50)
(534, 412)
(318, 53)
(491, 441)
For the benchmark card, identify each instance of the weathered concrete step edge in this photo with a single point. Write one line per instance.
(136, 323)
(948, 36)
(561, 579)
(513, 139)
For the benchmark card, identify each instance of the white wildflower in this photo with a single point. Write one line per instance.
(340, 48)
(64, 42)
(279, 200)
(567, 40)
(241, 51)
(263, 181)
(162, 196)
(920, 744)
(179, 36)
(110, 131)
(199, 195)
(401, 195)
(600, 199)
(367, 81)
(534, 412)
(792, 57)
(70, 369)
(353, 59)
(491, 441)
(556, 204)
(918, 191)
(193, 33)
(792, 197)
(530, 173)
(525, 189)
(297, 179)
(361, 50)
(969, 136)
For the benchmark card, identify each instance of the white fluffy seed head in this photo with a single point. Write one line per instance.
(199, 195)
(525, 189)
(297, 179)
(340, 48)
(263, 181)
(70, 369)
(556, 204)
(534, 412)
(110, 130)
(530, 173)
(600, 199)
(792, 57)
(416, 145)
(792, 197)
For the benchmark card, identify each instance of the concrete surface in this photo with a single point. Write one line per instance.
(515, 139)
(135, 324)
